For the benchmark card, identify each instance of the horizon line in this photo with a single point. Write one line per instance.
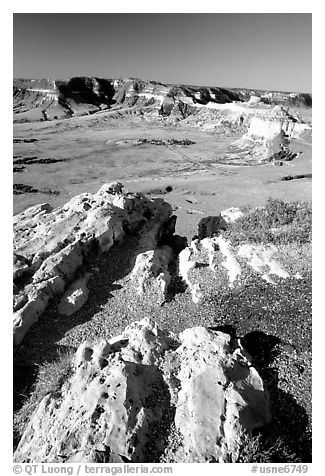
(164, 83)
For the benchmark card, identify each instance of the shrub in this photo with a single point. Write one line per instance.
(278, 222)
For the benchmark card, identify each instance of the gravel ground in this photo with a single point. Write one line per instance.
(274, 323)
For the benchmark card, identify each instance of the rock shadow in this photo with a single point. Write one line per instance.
(288, 437)
(40, 343)
(159, 412)
(289, 432)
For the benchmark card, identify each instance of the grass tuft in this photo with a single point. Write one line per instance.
(257, 449)
(51, 376)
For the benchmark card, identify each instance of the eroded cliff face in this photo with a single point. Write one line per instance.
(47, 99)
(36, 100)
(267, 136)
(268, 125)
(129, 398)
(283, 98)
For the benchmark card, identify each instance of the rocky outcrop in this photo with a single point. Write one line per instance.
(127, 398)
(267, 129)
(51, 246)
(213, 262)
(282, 98)
(210, 225)
(267, 125)
(38, 100)
(231, 214)
(150, 273)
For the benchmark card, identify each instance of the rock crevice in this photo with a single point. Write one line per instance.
(52, 246)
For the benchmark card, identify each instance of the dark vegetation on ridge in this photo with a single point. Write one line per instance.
(278, 222)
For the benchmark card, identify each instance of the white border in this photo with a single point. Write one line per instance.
(167, 6)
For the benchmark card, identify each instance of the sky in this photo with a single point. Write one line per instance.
(249, 50)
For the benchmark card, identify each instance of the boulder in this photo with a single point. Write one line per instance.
(210, 226)
(220, 396)
(253, 100)
(150, 272)
(35, 301)
(126, 397)
(75, 297)
(187, 262)
(113, 188)
(231, 214)
(20, 265)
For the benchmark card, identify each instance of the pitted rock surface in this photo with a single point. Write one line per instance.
(125, 395)
(150, 272)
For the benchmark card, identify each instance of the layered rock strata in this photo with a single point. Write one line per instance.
(268, 125)
(36, 100)
(267, 129)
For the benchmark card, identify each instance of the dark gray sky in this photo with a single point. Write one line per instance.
(258, 50)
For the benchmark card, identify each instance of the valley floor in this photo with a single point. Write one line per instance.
(97, 149)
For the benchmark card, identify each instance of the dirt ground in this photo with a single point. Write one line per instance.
(101, 148)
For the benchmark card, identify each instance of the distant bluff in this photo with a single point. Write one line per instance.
(45, 99)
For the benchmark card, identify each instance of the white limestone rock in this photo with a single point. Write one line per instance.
(52, 244)
(150, 272)
(75, 297)
(126, 395)
(230, 263)
(261, 259)
(187, 262)
(265, 132)
(231, 214)
(219, 393)
(253, 100)
(213, 263)
(35, 301)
